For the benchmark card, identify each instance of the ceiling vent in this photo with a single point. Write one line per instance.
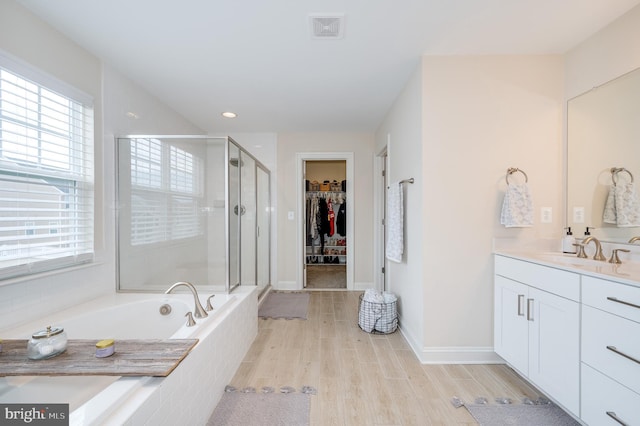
(327, 26)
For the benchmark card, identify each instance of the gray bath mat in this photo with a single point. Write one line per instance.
(260, 409)
(284, 305)
(520, 415)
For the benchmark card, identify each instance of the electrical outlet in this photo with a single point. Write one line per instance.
(546, 215)
(291, 215)
(578, 215)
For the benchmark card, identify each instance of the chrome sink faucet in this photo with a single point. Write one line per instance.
(598, 255)
(634, 239)
(198, 310)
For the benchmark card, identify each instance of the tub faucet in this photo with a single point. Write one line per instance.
(598, 255)
(198, 311)
(634, 239)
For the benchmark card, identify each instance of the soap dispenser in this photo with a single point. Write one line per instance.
(568, 242)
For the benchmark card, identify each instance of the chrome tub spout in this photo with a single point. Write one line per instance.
(198, 310)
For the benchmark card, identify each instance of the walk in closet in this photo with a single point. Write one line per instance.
(326, 244)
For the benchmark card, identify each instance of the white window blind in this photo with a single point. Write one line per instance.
(46, 177)
(166, 194)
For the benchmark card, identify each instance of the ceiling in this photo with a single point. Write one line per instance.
(258, 59)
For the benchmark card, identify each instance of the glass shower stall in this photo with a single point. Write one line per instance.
(191, 208)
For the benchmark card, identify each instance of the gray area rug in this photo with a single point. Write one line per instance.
(261, 409)
(520, 415)
(284, 305)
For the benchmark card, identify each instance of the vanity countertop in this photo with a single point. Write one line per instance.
(626, 273)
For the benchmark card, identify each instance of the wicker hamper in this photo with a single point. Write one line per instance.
(376, 317)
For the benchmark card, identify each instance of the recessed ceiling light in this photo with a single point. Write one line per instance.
(132, 115)
(229, 114)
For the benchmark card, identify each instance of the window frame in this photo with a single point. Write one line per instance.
(76, 171)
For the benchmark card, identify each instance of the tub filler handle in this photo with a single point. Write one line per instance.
(198, 310)
(209, 307)
(190, 321)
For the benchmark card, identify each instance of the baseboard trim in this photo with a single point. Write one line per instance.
(453, 355)
(292, 285)
(362, 286)
(287, 285)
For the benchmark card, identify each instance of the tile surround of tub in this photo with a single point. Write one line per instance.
(191, 392)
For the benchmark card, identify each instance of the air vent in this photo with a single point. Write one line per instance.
(327, 26)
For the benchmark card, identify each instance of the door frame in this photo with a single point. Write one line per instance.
(380, 183)
(301, 157)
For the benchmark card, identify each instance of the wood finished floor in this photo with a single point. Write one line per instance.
(362, 378)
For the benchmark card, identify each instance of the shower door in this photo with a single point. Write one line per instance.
(234, 214)
(247, 220)
(196, 208)
(263, 228)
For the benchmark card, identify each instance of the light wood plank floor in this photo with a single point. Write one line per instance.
(362, 378)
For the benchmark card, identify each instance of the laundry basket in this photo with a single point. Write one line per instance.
(374, 317)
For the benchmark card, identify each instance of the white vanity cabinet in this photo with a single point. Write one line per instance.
(537, 326)
(610, 352)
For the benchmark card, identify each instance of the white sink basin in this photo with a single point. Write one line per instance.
(569, 259)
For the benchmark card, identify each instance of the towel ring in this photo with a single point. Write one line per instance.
(616, 170)
(512, 170)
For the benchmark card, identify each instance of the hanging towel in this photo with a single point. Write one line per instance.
(609, 215)
(395, 224)
(517, 208)
(627, 205)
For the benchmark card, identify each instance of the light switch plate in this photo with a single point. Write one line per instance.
(578, 215)
(546, 215)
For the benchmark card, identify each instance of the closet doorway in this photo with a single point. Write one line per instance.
(325, 221)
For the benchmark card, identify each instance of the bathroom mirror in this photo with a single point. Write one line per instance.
(603, 132)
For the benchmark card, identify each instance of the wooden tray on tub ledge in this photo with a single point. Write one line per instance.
(139, 357)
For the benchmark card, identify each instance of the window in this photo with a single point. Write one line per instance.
(166, 182)
(46, 174)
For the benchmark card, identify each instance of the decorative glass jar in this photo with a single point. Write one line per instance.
(47, 343)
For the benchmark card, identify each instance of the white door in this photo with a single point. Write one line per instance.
(554, 347)
(510, 323)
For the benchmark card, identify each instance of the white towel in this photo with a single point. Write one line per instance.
(517, 207)
(395, 223)
(627, 205)
(609, 215)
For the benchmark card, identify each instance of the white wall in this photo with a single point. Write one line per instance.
(401, 131)
(611, 52)
(361, 144)
(25, 36)
(479, 116)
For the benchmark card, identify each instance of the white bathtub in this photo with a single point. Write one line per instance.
(117, 400)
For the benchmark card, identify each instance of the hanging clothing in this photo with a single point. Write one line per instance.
(322, 217)
(313, 218)
(341, 219)
(331, 218)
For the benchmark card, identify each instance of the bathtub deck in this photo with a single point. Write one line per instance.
(132, 358)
